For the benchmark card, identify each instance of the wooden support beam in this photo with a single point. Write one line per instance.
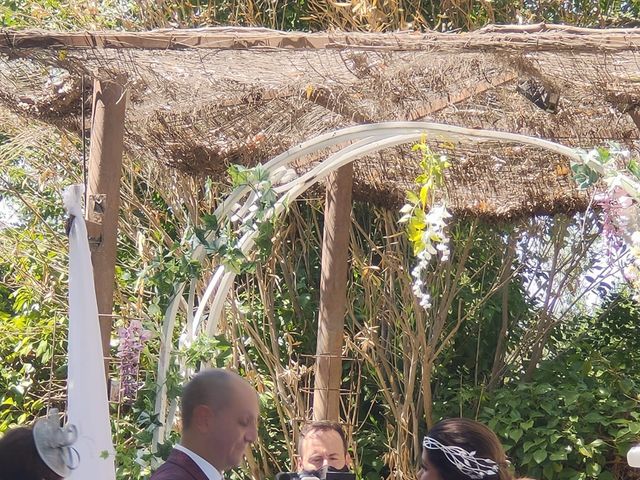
(537, 37)
(331, 101)
(333, 294)
(443, 101)
(103, 196)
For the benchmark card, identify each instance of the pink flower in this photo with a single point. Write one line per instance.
(616, 211)
(132, 338)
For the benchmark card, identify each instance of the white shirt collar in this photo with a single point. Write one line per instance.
(209, 470)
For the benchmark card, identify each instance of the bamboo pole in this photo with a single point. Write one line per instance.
(333, 295)
(103, 195)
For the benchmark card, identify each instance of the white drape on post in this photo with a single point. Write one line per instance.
(88, 407)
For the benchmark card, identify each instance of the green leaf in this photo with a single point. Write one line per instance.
(412, 198)
(239, 175)
(154, 310)
(548, 471)
(417, 222)
(634, 167)
(516, 434)
(264, 238)
(585, 452)
(584, 176)
(596, 443)
(201, 235)
(626, 385)
(570, 397)
(634, 427)
(593, 417)
(604, 154)
(540, 456)
(526, 425)
(424, 195)
(558, 456)
(210, 221)
(414, 230)
(594, 469)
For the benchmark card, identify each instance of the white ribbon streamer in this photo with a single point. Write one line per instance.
(88, 406)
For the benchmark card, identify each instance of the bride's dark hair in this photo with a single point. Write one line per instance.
(472, 436)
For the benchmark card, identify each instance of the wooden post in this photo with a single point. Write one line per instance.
(103, 196)
(333, 295)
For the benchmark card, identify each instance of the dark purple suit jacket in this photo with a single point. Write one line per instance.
(179, 467)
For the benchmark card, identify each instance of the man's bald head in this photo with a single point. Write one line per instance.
(214, 387)
(219, 417)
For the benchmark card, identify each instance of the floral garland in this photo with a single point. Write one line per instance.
(620, 202)
(222, 239)
(426, 220)
(132, 340)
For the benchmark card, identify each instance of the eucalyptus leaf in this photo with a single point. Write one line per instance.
(584, 176)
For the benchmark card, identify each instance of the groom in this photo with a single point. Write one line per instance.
(219, 421)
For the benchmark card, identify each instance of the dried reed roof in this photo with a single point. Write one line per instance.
(201, 99)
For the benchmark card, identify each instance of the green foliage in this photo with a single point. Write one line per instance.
(207, 351)
(32, 293)
(31, 344)
(634, 167)
(134, 425)
(60, 14)
(597, 164)
(288, 325)
(473, 348)
(579, 415)
(222, 240)
(414, 212)
(364, 15)
(584, 175)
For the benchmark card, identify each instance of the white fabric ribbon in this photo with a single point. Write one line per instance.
(88, 406)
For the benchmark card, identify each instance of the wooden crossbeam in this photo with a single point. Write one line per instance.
(538, 37)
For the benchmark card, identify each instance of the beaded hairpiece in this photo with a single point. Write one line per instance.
(465, 461)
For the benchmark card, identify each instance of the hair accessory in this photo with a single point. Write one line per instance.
(464, 460)
(54, 443)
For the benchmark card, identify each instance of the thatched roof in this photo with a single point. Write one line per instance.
(201, 99)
